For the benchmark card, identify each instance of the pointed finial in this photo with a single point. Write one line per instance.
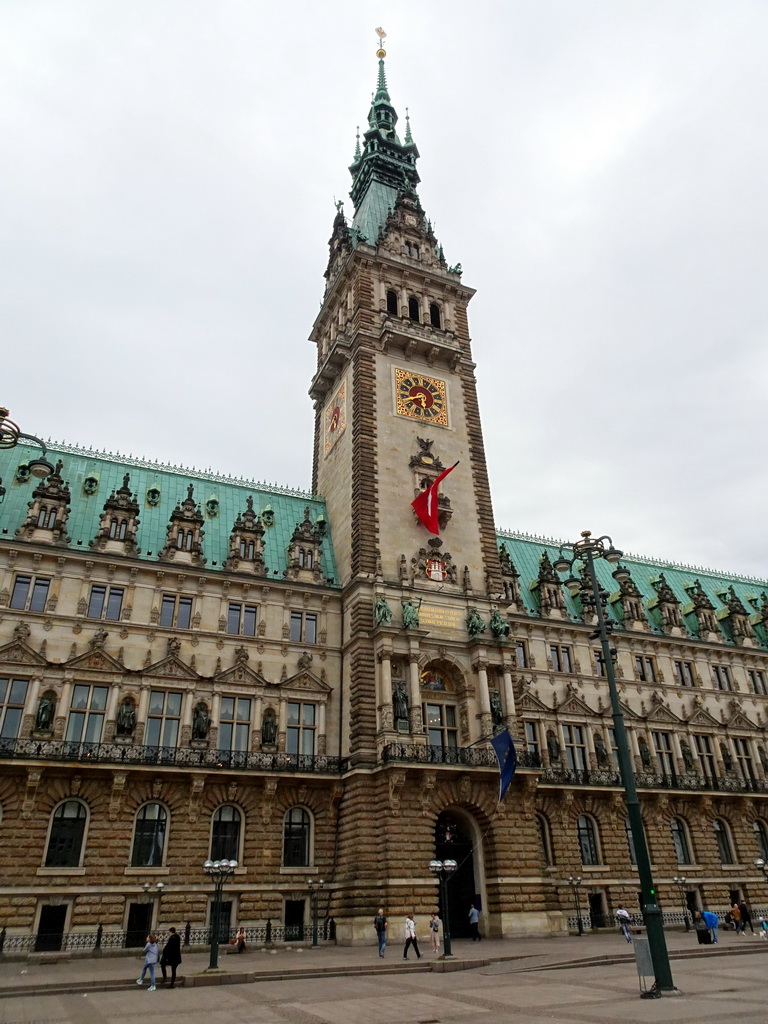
(408, 136)
(381, 53)
(358, 154)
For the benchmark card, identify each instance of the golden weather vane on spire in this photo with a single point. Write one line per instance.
(381, 53)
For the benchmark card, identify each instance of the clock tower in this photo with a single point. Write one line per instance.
(396, 403)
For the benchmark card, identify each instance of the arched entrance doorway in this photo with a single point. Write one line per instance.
(453, 841)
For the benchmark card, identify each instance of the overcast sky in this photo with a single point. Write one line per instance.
(167, 177)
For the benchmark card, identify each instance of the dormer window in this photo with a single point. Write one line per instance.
(434, 315)
(118, 529)
(412, 250)
(247, 549)
(413, 308)
(392, 302)
(46, 519)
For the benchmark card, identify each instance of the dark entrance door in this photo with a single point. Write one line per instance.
(597, 910)
(225, 920)
(50, 931)
(454, 842)
(294, 920)
(139, 925)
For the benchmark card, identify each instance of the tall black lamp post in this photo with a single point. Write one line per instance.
(315, 885)
(574, 884)
(10, 435)
(219, 871)
(680, 883)
(593, 598)
(443, 870)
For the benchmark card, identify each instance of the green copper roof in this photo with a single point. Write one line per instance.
(526, 552)
(108, 469)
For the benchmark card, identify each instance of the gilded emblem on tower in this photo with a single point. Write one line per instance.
(335, 418)
(421, 398)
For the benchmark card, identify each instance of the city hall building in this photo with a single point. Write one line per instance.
(197, 667)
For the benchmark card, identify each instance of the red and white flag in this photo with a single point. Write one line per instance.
(425, 505)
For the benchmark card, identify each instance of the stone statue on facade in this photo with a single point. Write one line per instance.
(382, 613)
(126, 719)
(475, 623)
(497, 711)
(45, 712)
(400, 704)
(685, 750)
(553, 747)
(410, 614)
(499, 627)
(269, 728)
(726, 756)
(601, 752)
(201, 722)
(645, 753)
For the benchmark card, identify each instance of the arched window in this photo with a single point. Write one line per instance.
(630, 841)
(434, 315)
(392, 302)
(413, 308)
(123, 529)
(149, 837)
(680, 840)
(545, 839)
(225, 834)
(51, 519)
(296, 835)
(41, 516)
(761, 838)
(65, 843)
(113, 528)
(587, 828)
(723, 840)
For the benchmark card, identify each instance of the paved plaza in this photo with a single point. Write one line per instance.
(559, 980)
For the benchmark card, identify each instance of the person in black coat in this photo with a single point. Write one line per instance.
(171, 955)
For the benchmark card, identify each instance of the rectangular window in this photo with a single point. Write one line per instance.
(105, 603)
(645, 669)
(86, 713)
(575, 747)
(521, 653)
(440, 723)
(24, 586)
(163, 719)
(235, 723)
(705, 755)
(744, 758)
(13, 695)
(599, 662)
(176, 611)
(304, 627)
(684, 673)
(665, 762)
(721, 677)
(300, 738)
(757, 681)
(241, 619)
(532, 738)
(560, 657)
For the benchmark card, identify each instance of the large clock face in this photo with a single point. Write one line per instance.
(335, 418)
(421, 398)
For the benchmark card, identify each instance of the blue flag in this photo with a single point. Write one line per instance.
(507, 755)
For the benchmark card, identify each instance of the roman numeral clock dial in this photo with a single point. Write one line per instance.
(421, 398)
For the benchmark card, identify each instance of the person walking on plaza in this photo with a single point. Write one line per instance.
(434, 933)
(736, 917)
(380, 924)
(171, 956)
(151, 956)
(746, 917)
(410, 937)
(474, 923)
(622, 916)
(711, 921)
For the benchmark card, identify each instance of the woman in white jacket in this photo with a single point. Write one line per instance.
(410, 937)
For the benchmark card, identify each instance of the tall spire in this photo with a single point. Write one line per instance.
(386, 166)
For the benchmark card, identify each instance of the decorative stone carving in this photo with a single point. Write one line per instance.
(434, 564)
(46, 711)
(125, 723)
(410, 614)
(246, 542)
(98, 639)
(400, 705)
(476, 626)
(382, 613)
(497, 711)
(703, 608)
(21, 632)
(119, 524)
(184, 540)
(669, 606)
(305, 552)
(549, 588)
(201, 722)
(269, 728)
(500, 628)
(49, 510)
(510, 578)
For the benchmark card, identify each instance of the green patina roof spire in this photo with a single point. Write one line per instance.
(358, 154)
(408, 136)
(385, 165)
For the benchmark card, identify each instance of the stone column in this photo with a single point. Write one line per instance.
(509, 696)
(30, 707)
(282, 720)
(213, 727)
(484, 699)
(321, 744)
(386, 722)
(258, 711)
(414, 694)
(141, 714)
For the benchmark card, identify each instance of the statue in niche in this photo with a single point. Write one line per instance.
(400, 704)
(726, 756)
(382, 613)
(601, 751)
(685, 750)
(497, 712)
(45, 712)
(553, 747)
(126, 719)
(499, 627)
(201, 722)
(475, 624)
(410, 614)
(269, 728)
(763, 758)
(645, 753)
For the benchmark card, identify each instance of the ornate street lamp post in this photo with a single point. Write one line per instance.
(219, 871)
(9, 438)
(315, 885)
(680, 883)
(443, 870)
(574, 884)
(593, 598)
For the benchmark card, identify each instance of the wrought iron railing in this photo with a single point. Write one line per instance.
(654, 780)
(175, 757)
(479, 757)
(670, 919)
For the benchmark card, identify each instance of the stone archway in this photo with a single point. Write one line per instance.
(455, 840)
